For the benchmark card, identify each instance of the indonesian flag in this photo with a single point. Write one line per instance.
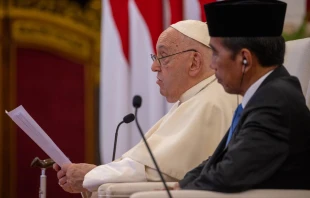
(130, 29)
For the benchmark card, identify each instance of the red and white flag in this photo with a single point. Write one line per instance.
(115, 76)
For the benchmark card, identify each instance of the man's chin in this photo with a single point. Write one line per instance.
(170, 100)
(228, 89)
(162, 92)
(220, 82)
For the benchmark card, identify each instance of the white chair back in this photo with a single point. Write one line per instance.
(297, 62)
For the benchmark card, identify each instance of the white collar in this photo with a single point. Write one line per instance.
(195, 89)
(252, 89)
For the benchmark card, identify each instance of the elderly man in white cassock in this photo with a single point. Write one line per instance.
(187, 134)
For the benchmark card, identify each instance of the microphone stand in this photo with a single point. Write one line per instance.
(148, 148)
(115, 140)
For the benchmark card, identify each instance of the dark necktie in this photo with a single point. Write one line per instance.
(234, 122)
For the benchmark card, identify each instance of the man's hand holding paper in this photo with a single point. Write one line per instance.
(71, 176)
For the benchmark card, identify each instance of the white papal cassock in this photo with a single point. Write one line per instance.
(182, 139)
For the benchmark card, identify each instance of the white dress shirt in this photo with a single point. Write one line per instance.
(252, 89)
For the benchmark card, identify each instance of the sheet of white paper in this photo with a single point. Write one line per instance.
(21, 117)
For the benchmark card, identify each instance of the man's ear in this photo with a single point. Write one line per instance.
(246, 59)
(196, 64)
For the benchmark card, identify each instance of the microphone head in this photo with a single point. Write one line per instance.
(137, 101)
(129, 118)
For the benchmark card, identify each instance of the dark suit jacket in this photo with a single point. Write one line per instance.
(270, 147)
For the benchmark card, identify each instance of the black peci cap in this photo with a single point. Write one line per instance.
(245, 18)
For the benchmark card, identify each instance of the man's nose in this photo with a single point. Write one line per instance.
(155, 66)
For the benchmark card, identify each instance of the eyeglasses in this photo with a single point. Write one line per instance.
(155, 58)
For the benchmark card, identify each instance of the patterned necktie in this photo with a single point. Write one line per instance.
(234, 122)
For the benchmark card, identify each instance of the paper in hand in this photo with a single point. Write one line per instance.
(21, 117)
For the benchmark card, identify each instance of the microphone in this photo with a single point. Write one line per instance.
(137, 101)
(127, 119)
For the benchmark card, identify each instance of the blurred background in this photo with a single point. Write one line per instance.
(75, 65)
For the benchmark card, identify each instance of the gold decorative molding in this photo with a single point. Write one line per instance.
(60, 24)
(1, 32)
(2, 10)
(54, 19)
(88, 16)
(1, 13)
(40, 33)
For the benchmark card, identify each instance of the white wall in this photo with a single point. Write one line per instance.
(295, 11)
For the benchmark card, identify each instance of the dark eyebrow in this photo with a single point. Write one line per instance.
(162, 47)
(213, 48)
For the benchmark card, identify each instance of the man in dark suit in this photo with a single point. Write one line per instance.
(268, 143)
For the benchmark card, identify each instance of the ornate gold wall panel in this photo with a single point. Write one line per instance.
(1, 120)
(88, 18)
(1, 9)
(51, 36)
(56, 26)
(60, 24)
